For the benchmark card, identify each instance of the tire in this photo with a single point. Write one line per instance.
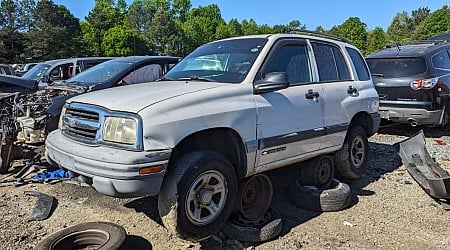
(337, 198)
(268, 229)
(187, 203)
(352, 159)
(318, 172)
(90, 235)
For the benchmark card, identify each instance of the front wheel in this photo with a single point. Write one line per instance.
(197, 195)
(352, 159)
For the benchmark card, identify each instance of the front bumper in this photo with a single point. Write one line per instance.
(113, 172)
(409, 115)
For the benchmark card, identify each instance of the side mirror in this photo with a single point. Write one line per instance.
(272, 81)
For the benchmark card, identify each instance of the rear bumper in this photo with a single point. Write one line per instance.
(112, 172)
(411, 115)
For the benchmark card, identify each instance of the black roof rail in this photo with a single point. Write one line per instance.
(318, 34)
(433, 42)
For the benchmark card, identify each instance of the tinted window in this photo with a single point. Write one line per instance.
(147, 73)
(396, 67)
(330, 62)
(292, 59)
(360, 66)
(441, 60)
(37, 72)
(102, 72)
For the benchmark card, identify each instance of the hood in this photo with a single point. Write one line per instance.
(18, 82)
(133, 98)
(66, 86)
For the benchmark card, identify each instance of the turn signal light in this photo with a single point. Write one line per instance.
(149, 170)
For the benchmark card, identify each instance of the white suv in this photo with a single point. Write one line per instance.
(231, 109)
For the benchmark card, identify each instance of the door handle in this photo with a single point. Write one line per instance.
(311, 94)
(351, 90)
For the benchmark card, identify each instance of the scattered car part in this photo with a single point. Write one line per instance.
(198, 194)
(423, 168)
(254, 196)
(353, 157)
(337, 198)
(318, 172)
(262, 229)
(90, 235)
(42, 207)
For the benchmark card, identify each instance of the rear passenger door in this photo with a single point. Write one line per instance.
(339, 90)
(289, 121)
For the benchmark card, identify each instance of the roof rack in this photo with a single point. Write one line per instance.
(318, 34)
(433, 42)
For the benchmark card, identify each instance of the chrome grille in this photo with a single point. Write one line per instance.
(80, 122)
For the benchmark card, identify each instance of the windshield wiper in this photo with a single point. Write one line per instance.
(195, 78)
(164, 79)
(377, 74)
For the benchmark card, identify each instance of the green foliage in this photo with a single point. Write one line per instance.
(122, 41)
(435, 23)
(376, 40)
(355, 31)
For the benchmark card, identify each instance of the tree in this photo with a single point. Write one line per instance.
(26, 9)
(398, 30)
(55, 32)
(12, 39)
(355, 31)
(122, 41)
(200, 26)
(106, 15)
(376, 40)
(234, 28)
(165, 34)
(249, 27)
(435, 23)
(140, 15)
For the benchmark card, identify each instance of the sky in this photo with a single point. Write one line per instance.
(325, 13)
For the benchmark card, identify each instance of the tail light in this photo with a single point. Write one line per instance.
(424, 83)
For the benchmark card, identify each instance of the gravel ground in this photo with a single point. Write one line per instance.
(388, 210)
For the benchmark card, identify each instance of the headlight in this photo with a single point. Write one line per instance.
(120, 130)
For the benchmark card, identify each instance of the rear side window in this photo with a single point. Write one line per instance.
(396, 67)
(330, 63)
(441, 60)
(360, 65)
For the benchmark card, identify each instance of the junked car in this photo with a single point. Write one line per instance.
(413, 82)
(27, 115)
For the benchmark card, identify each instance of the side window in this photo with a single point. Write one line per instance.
(292, 59)
(61, 72)
(360, 66)
(441, 60)
(330, 62)
(148, 73)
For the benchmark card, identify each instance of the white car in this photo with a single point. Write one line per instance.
(191, 137)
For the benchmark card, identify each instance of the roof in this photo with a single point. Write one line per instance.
(415, 49)
(143, 58)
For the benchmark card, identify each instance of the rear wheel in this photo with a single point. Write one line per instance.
(197, 195)
(352, 159)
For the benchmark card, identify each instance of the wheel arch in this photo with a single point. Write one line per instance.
(364, 120)
(225, 141)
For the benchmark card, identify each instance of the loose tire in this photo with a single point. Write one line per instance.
(197, 195)
(90, 235)
(352, 159)
(318, 172)
(337, 198)
(260, 230)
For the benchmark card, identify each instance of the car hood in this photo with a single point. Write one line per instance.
(133, 98)
(18, 81)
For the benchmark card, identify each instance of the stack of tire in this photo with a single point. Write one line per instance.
(253, 220)
(317, 189)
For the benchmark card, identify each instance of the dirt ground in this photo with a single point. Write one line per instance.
(388, 210)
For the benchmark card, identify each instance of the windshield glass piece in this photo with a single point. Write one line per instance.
(396, 67)
(101, 72)
(37, 72)
(224, 61)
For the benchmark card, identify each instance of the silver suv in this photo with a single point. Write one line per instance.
(231, 109)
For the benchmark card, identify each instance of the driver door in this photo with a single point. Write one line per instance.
(290, 120)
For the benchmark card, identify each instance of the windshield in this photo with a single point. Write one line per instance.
(224, 61)
(100, 73)
(37, 72)
(396, 67)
